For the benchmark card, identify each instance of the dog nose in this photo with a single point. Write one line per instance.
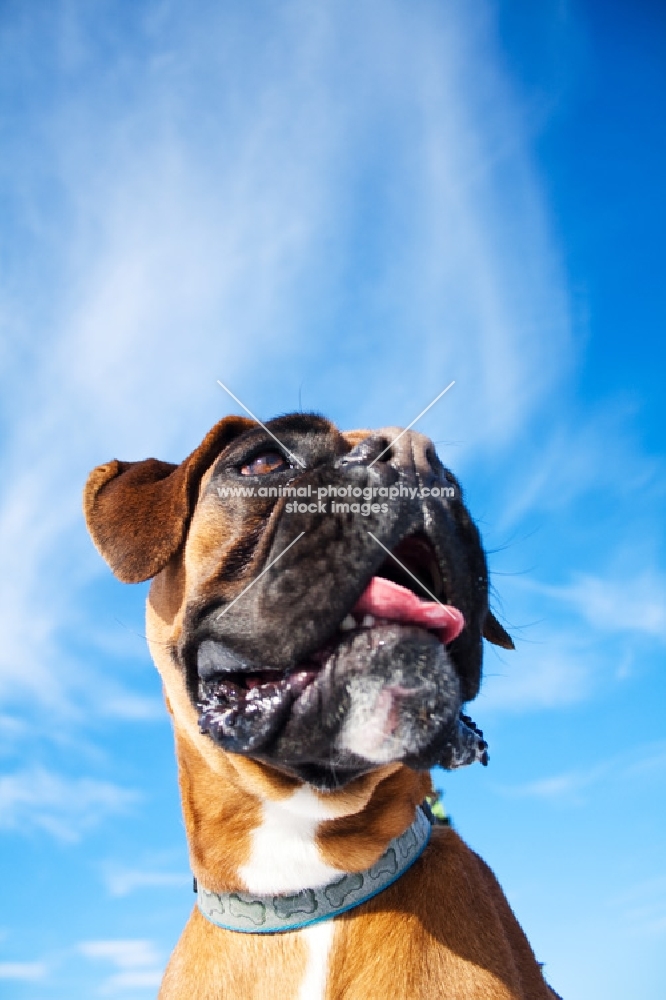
(412, 452)
(407, 451)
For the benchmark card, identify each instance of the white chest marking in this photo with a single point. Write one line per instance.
(284, 855)
(318, 938)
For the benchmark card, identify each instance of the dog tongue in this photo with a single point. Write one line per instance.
(386, 599)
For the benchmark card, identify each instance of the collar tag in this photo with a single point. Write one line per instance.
(252, 914)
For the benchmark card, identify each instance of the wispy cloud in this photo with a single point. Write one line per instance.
(132, 979)
(23, 971)
(123, 881)
(36, 798)
(138, 963)
(562, 659)
(568, 787)
(644, 906)
(559, 787)
(550, 674)
(634, 603)
(125, 953)
(569, 460)
(118, 703)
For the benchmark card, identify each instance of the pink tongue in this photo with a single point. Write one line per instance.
(386, 599)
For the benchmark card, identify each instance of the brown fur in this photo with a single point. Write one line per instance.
(444, 930)
(213, 964)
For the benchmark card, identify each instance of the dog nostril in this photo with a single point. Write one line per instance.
(367, 452)
(383, 450)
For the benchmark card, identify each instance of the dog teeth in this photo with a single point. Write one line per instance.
(367, 621)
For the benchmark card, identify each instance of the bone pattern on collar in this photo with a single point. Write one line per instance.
(275, 913)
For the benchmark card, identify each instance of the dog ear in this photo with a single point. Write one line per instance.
(137, 512)
(493, 632)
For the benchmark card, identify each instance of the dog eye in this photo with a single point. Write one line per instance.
(268, 461)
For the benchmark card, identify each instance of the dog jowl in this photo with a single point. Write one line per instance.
(326, 593)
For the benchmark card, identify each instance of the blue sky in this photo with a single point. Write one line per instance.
(343, 206)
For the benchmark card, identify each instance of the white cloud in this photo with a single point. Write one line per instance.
(548, 675)
(125, 953)
(569, 786)
(23, 971)
(137, 960)
(569, 459)
(630, 604)
(35, 798)
(558, 787)
(134, 979)
(652, 760)
(125, 705)
(123, 881)
(644, 906)
(565, 665)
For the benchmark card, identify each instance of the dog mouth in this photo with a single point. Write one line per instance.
(228, 690)
(393, 641)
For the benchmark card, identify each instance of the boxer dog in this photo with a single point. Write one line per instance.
(316, 613)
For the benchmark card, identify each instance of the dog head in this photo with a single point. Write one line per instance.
(318, 599)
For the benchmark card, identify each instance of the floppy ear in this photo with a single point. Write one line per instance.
(493, 632)
(137, 512)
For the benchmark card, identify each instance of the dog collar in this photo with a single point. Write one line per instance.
(252, 914)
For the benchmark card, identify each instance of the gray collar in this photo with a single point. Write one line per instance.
(252, 914)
